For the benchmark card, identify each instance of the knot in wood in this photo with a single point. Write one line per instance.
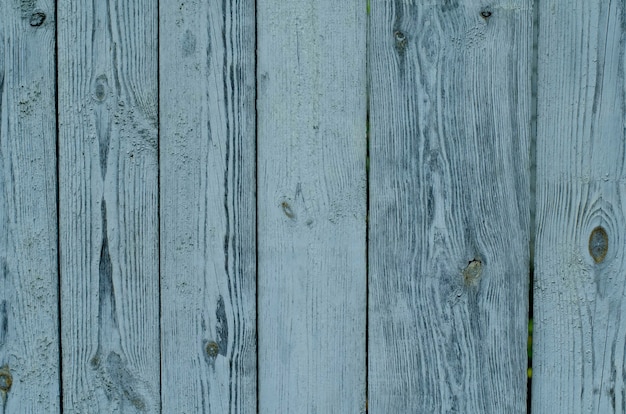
(6, 380)
(472, 272)
(212, 349)
(598, 244)
(37, 18)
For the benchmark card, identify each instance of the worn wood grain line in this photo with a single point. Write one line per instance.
(579, 341)
(208, 250)
(449, 205)
(312, 206)
(29, 339)
(108, 174)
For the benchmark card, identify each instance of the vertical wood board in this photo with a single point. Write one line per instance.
(208, 250)
(311, 206)
(579, 339)
(108, 174)
(29, 336)
(449, 114)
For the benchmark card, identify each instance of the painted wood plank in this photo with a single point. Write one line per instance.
(311, 206)
(449, 193)
(108, 175)
(579, 340)
(208, 250)
(29, 331)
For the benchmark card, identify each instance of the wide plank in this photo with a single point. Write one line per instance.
(449, 122)
(29, 328)
(579, 338)
(311, 206)
(208, 250)
(108, 183)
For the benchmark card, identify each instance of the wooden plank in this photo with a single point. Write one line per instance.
(208, 250)
(449, 205)
(108, 174)
(29, 330)
(312, 206)
(579, 341)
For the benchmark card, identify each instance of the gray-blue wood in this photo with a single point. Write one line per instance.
(177, 130)
(449, 112)
(108, 212)
(207, 205)
(311, 146)
(29, 341)
(579, 355)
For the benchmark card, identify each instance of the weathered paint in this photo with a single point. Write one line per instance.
(108, 212)
(29, 320)
(208, 250)
(449, 101)
(449, 115)
(311, 205)
(579, 332)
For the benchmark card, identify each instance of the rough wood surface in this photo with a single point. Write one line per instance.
(312, 206)
(579, 341)
(29, 344)
(109, 205)
(208, 253)
(449, 206)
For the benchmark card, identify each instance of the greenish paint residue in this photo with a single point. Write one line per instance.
(368, 6)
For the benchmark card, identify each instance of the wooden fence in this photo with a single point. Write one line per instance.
(296, 206)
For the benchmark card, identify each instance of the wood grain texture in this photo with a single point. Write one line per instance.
(208, 253)
(29, 341)
(108, 174)
(449, 205)
(312, 206)
(579, 340)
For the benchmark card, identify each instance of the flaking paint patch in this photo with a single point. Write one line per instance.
(188, 44)
(124, 380)
(26, 7)
(117, 382)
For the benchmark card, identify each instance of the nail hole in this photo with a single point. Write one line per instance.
(212, 349)
(485, 14)
(598, 244)
(400, 37)
(37, 19)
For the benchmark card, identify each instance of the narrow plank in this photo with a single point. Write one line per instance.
(108, 183)
(29, 330)
(208, 250)
(449, 205)
(312, 206)
(579, 338)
